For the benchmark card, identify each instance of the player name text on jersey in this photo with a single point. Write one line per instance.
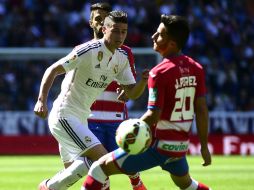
(185, 81)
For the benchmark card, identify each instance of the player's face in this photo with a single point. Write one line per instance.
(115, 35)
(161, 41)
(96, 22)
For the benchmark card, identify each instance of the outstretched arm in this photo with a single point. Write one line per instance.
(201, 111)
(48, 78)
(134, 91)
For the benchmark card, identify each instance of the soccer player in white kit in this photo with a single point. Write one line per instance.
(89, 68)
(107, 112)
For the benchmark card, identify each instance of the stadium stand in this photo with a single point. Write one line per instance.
(222, 40)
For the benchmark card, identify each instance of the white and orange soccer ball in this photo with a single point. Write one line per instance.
(133, 136)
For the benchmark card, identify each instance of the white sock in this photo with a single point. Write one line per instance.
(63, 180)
(97, 173)
(193, 185)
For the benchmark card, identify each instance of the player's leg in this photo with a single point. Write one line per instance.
(99, 131)
(111, 145)
(118, 162)
(76, 141)
(179, 172)
(69, 175)
(187, 183)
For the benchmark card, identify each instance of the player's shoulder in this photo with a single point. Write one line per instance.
(87, 46)
(126, 48)
(164, 66)
(159, 70)
(123, 51)
(192, 62)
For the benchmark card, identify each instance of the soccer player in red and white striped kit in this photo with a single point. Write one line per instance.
(107, 111)
(176, 93)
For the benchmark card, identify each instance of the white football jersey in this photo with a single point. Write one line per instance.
(90, 68)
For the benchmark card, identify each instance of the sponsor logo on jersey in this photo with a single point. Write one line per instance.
(103, 78)
(184, 70)
(152, 95)
(174, 147)
(96, 84)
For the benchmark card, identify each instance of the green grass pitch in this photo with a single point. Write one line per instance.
(226, 172)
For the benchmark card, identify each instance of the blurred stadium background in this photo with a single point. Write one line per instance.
(35, 33)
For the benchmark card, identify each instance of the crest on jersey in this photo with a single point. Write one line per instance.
(99, 57)
(88, 139)
(115, 69)
(71, 58)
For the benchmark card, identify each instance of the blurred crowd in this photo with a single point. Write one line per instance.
(222, 40)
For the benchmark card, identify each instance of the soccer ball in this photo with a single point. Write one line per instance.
(133, 136)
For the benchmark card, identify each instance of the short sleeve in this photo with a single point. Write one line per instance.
(70, 61)
(201, 87)
(156, 91)
(126, 77)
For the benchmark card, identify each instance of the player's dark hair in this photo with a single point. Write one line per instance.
(103, 6)
(118, 16)
(177, 28)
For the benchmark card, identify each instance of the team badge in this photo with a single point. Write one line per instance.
(115, 69)
(99, 57)
(71, 58)
(88, 139)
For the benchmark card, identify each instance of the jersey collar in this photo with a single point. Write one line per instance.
(104, 47)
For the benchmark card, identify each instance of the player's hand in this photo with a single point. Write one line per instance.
(206, 155)
(41, 109)
(122, 96)
(145, 75)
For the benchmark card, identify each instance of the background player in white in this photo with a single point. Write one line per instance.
(176, 92)
(107, 111)
(89, 68)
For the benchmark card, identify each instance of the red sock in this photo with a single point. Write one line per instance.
(91, 184)
(202, 187)
(134, 179)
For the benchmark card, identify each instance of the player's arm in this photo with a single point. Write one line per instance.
(134, 91)
(202, 119)
(151, 117)
(48, 78)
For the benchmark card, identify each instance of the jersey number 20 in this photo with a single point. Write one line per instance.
(183, 109)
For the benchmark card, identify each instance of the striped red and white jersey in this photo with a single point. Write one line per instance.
(90, 68)
(174, 85)
(107, 108)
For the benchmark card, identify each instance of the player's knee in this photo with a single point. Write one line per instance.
(96, 152)
(82, 169)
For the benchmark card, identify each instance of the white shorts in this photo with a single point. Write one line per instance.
(73, 136)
